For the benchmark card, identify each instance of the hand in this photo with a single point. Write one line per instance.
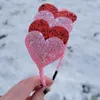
(22, 90)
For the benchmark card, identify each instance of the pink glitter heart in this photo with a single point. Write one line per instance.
(59, 21)
(44, 52)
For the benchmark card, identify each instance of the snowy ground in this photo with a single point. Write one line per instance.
(80, 67)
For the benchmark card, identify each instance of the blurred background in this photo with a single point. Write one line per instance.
(79, 75)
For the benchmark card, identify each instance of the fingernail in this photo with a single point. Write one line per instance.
(46, 91)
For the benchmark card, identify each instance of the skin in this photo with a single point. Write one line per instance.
(22, 90)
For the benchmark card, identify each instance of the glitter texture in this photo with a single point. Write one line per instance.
(60, 21)
(43, 27)
(45, 15)
(64, 13)
(42, 51)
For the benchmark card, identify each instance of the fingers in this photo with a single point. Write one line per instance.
(39, 94)
(23, 89)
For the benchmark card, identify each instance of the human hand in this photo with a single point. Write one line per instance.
(22, 90)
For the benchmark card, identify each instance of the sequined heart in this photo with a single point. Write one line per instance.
(57, 13)
(44, 52)
(48, 32)
(60, 21)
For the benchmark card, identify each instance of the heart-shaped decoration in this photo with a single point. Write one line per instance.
(42, 51)
(48, 36)
(48, 32)
(51, 8)
(60, 21)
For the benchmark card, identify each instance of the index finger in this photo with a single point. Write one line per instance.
(23, 89)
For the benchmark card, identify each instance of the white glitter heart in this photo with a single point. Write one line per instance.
(59, 21)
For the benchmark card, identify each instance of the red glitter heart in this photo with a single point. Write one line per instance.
(57, 31)
(57, 13)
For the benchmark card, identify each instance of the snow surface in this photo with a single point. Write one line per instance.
(80, 67)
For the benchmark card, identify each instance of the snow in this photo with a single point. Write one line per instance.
(81, 62)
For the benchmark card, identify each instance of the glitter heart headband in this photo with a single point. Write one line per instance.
(48, 36)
